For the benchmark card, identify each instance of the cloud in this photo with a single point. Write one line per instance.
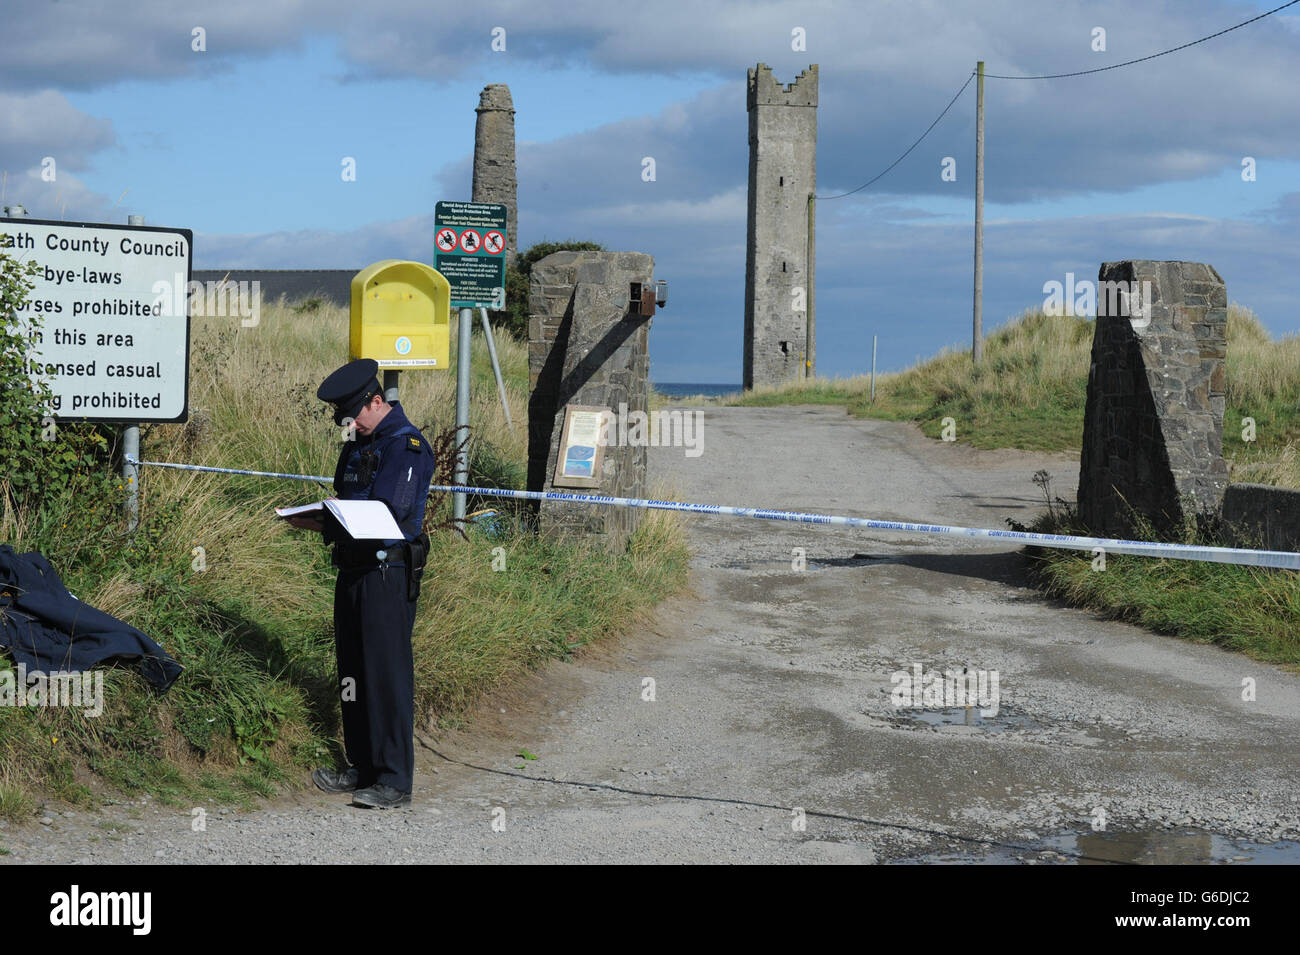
(67, 197)
(725, 209)
(1286, 211)
(698, 147)
(881, 269)
(886, 70)
(40, 124)
(912, 282)
(410, 238)
(88, 44)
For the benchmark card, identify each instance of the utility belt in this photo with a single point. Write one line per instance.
(411, 556)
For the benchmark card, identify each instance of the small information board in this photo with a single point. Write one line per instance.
(469, 250)
(113, 302)
(580, 462)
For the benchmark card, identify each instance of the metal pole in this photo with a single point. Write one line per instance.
(464, 327)
(131, 449)
(496, 368)
(977, 335)
(873, 367)
(390, 385)
(810, 326)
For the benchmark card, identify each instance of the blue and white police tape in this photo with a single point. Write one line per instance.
(1219, 555)
(200, 467)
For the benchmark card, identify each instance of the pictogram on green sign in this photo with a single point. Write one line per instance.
(469, 251)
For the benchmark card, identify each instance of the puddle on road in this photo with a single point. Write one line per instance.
(857, 560)
(1142, 847)
(1006, 718)
(825, 563)
(1173, 846)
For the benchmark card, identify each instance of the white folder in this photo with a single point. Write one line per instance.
(364, 520)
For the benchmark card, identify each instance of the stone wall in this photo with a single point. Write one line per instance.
(1153, 424)
(585, 348)
(1263, 516)
(782, 172)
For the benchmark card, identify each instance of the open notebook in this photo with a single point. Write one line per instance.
(364, 520)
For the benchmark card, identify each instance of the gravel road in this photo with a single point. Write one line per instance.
(772, 735)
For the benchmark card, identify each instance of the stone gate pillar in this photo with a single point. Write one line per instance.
(1153, 424)
(585, 347)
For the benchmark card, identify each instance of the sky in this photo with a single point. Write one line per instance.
(243, 142)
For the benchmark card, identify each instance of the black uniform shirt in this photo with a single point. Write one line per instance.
(393, 464)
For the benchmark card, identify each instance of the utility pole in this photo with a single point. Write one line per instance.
(977, 344)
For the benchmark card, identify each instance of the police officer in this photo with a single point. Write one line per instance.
(387, 459)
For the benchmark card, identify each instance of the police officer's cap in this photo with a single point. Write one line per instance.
(350, 388)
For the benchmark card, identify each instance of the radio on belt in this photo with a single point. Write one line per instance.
(401, 315)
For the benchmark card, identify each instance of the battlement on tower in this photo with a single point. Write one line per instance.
(767, 90)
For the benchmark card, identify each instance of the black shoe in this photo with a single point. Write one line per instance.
(380, 796)
(333, 781)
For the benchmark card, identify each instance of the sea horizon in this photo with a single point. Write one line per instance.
(682, 389)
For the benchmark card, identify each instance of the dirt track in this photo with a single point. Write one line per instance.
(772, 691)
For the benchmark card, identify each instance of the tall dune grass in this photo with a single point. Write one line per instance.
(253, 625)
(1029, 392)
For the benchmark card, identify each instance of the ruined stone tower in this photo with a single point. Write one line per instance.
(494, 157)
(782, 174)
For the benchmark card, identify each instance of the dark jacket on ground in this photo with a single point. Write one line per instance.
(49, 630)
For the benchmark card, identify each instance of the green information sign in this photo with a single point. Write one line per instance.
(469, 250)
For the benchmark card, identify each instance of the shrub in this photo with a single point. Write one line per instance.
(515, 316)
(39, 453)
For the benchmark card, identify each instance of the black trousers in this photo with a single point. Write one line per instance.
(373, 621)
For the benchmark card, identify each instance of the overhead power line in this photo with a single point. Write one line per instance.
(1143, 59)
(1051, 76)
(918, 141)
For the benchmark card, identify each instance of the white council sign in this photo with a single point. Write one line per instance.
(114, 337)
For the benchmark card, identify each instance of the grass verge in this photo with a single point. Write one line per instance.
(1253, 610)
(253, 624)
(1029, 393)
(1030, 390)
